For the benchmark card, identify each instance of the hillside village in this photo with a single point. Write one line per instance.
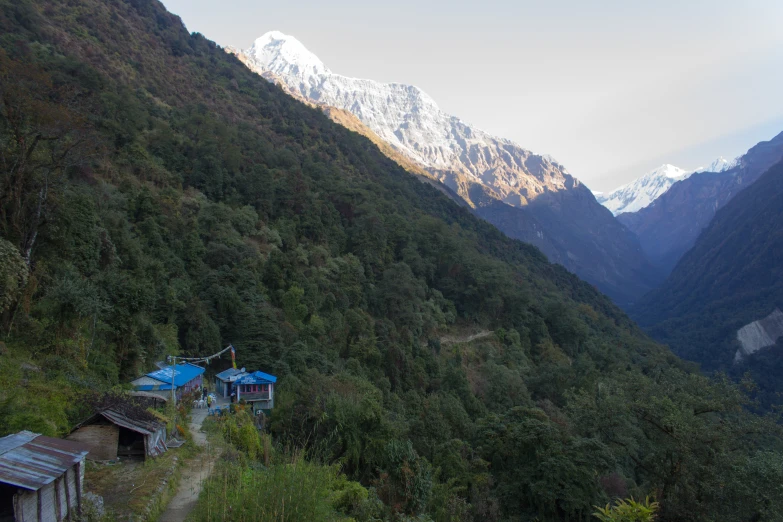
(43, 478)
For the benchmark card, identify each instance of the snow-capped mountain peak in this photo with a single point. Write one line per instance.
(410, 121)
(642, 191)
(284, 54)
(719, 165)
(668, 170)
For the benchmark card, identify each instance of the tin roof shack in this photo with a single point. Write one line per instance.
(224, 381)
(41, 477)
(112, 433)
(257, 389)
(187, 377)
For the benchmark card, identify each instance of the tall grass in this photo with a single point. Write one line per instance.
(258, 481)
(293, 491)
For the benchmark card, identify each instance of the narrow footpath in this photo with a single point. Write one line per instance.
(450, 339)
(194, 473)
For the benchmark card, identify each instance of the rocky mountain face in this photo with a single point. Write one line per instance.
(529, 196)
(669, 226)
(731, 277)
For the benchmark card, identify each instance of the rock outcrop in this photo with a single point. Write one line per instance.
(759, 334)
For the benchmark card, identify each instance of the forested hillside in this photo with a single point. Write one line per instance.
(732, 276)
(157, 197)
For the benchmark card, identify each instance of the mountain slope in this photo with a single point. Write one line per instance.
(480, 168)
(180, 203)
(670, 225)
(732, 276)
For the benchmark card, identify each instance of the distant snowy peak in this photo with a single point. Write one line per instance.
(410, 121)
(719, 165)
(641, 192)
(283, 54)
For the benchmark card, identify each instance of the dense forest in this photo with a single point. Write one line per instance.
(157, 197)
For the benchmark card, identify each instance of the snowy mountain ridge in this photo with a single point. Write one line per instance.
(410, 120)
(642, 191)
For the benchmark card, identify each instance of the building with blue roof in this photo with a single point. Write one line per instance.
(186, 378)
(257, 389)
(224, 381)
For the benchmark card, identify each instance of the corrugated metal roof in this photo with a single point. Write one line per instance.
(230, 374)
(30, 460)
(139, 426)
(183, 373)
(257, 378)
(149, 395)
(152, 387)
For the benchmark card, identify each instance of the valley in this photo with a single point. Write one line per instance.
(454, 327)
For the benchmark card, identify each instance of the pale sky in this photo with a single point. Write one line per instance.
(611, 89)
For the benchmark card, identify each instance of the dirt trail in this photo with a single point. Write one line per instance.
(194, 473)
(449, 339)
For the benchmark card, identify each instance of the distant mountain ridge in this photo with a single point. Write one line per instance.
(546, 205)
(641, 192)
(670, 225)
(720, 305)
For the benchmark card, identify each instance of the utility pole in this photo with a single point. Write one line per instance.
(173, 370)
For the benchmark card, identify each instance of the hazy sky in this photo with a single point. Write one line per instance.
(611, 89)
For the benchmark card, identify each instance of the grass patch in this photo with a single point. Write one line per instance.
(135, 489)
(254, 482)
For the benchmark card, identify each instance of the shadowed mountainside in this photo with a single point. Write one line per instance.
(670, 225)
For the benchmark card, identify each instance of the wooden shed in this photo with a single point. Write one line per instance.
(110, 434)
(41, 477)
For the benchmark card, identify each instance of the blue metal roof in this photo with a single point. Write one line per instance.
(226, 374)
(257, 378)
(183, 373)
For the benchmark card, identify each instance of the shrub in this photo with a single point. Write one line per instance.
(627, 511)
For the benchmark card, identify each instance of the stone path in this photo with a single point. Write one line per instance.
(194, 473)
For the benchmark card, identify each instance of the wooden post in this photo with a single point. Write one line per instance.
(40, 508)
(18, 507)
(57, 508)
(68, 494)
(78, 470)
